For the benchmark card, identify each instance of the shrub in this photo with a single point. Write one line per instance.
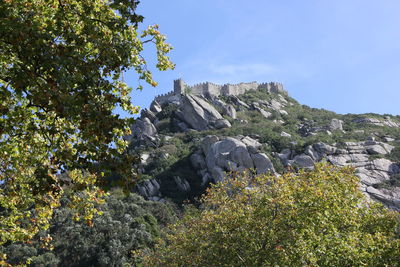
(128, 223)
(315, 218)
(167, 112)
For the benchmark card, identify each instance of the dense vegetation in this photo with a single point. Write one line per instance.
(61, 149)
(316, 218)
(311, 218)
(61, 63)
(127, 224)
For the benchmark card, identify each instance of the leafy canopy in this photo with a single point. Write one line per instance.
(128, 223)
(315, 218)
(60, 68)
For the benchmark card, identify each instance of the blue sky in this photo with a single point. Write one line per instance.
(338, 55)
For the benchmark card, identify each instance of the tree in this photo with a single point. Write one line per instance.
(128, 223)
(313, 218)
(60, 68)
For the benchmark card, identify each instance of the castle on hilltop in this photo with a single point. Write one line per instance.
(210, 90)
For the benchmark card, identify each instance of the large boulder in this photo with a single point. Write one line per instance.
(391, 198)
(285, 155)
(207, 142)
(226, 145)
(231, 154)
(356, 160)
(303, 161)
(181, 184)
(239, 103)
(155, 107)
(385, 165)
(148, 188)
(198, 161)
(252, 145)
(230, 111)
(262, 163)
(275, 105)
(376, 150)
(201, 115)
(311, 151)
(241, 156)
(266, 114)
(145, 113)
(221, 105)
(142, 130)
(335, 125)
(324, 148)
(221, 123)
(218, 152)
(370, 176)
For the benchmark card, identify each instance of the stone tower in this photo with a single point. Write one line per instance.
(179, 87)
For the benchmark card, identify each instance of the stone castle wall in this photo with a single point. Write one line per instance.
(169, 97)
(238, 89)
(209, 89)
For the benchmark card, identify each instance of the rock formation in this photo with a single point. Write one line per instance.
(200, 115)
(218, 156)
(257, 128)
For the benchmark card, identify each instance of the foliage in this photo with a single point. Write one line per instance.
(128, 223)
(270, 131)
(60, 68)
(167, 155)
(315, 218)
(255, 95)
(395, 154)
(167, 111)
(171, 160)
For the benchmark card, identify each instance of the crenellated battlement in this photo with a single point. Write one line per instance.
(168, 97)
(212, 89)
(209, 89)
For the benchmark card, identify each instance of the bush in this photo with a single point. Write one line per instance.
(395, 154)
(128, 223)
(316, 218)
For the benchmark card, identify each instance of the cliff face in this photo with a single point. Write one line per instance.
(195, 135)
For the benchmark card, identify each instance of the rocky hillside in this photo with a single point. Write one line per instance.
(191, 140)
